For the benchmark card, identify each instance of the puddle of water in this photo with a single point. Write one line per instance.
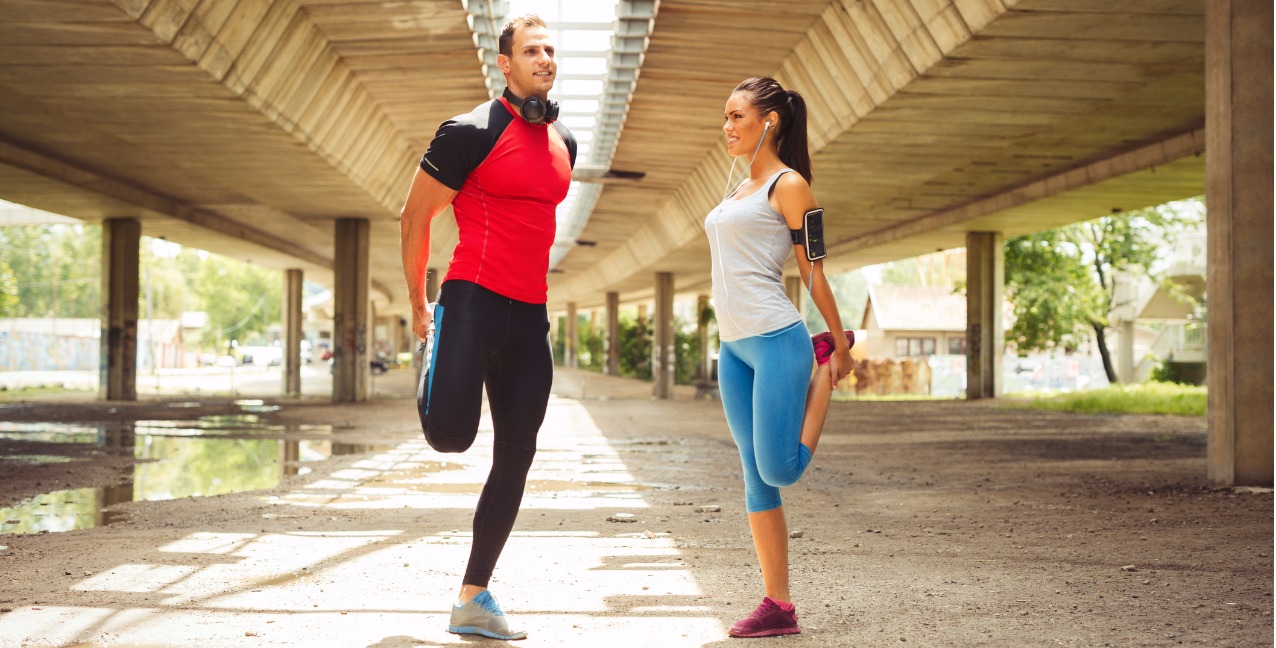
(63, 510)
(40, 459)
(174, 460)
(50, 432)
(256, 406)
(224, 423)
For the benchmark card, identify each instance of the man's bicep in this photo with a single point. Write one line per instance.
(451, 155)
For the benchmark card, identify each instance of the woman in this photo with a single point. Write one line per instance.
(774, 406)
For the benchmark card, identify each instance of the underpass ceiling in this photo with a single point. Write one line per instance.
(246, 128)
(927, 120)
(266, 120)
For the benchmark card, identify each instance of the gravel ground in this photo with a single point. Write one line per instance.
(918, 524)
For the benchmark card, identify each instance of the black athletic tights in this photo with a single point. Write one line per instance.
(483, 338)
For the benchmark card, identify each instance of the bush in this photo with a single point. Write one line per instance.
(686, 350)
(635, 348)
(1179, 373)
(558, 342)
(591, 351)
(636, 340)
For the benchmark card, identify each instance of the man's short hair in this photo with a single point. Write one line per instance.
(506, 41)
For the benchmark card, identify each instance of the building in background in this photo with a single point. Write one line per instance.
(913, 321)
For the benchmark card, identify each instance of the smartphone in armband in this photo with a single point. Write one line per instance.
(811, 236)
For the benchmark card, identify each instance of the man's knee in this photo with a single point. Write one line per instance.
(443, 442)
(514, 457)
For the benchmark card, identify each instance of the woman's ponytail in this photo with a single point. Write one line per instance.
(792, 139)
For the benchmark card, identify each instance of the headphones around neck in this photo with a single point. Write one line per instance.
(533, 109)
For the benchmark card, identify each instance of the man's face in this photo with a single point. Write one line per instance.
(531, 68)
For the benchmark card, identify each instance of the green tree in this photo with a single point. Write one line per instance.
(1060, 281)
(27, 252)
(686, 353)
(8, 291)
(1051, 291)
(78, 259)
(57, 269)
(850, 290)
(242, 300)
(590, 345)
(164, 285)
(635, 347)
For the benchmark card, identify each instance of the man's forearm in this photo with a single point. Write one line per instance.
(426, 199)
(415, 243)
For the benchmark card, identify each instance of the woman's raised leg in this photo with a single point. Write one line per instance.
(818, 396)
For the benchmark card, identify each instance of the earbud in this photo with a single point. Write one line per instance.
(768, 124)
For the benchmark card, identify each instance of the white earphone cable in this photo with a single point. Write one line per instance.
(728, 188)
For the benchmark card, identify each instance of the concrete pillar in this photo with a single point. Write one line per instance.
(351, 305)
(292, 332)
(795, 290)
(1125, 352)
(117, 371)
(569, 337)
(1238, 196)
(985, 292)
(662, 347)
(642, 312)
(613, 334)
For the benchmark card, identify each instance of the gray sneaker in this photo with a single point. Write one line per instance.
(482, 616)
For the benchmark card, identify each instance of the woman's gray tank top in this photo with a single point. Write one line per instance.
(748, 244)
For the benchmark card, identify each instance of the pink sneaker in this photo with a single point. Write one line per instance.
(823, 343)
(769, 620)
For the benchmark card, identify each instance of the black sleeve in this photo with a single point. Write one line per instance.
(463, 142)
(568, 139)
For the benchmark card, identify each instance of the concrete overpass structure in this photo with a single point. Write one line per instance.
(285, 133)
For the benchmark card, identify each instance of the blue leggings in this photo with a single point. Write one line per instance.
(763, 380)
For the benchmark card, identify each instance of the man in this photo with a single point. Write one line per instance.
(504, 168)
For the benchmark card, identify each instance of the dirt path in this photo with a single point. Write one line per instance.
(931, 524)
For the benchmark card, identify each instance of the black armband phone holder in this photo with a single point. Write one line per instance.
(811, 236)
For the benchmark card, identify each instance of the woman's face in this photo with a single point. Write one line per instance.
(742, 124)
